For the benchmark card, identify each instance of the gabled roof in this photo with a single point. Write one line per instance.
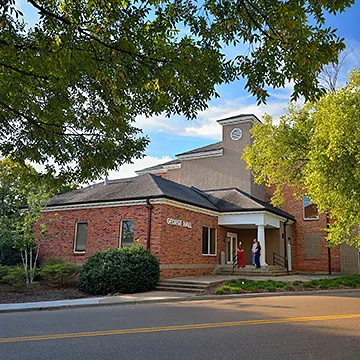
(149, 186)
(236, 200)
(158, 167)
(215, 146)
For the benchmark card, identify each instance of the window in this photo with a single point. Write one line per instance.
(80, 236)
(309, 209)
(127, 233)
(208, 241)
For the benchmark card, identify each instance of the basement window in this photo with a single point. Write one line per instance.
(208, 241)
(80, 237)
(127, 233)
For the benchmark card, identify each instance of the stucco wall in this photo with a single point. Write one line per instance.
(224, 171)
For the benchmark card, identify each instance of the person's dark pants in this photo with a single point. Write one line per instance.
(257, 260)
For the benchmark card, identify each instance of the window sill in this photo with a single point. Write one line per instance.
(314, 219)
(208, 254)
(79, 252)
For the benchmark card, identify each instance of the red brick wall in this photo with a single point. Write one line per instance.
(183, 246)
(172, 245)
(103, 230)
(302, 227)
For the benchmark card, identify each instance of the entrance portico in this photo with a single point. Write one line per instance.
(266, 227)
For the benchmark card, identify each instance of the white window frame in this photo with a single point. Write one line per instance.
(120, 239)
(209, 240)
(76, 230)
(303, 208)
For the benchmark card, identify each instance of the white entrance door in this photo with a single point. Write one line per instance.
(231, 243)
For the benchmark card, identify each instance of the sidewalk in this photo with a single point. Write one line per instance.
(149, 297)
(170, 296)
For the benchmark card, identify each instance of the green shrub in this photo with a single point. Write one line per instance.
(288, 287)
(8, 255)
(53, 261)
(58, 274)
(125, 270)
(220, 291)
(16, 278)
(298, 283)
(4, 270)
(270, 288)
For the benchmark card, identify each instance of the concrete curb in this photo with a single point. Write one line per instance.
(93, 302)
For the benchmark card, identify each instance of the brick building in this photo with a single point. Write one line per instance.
(191, 213)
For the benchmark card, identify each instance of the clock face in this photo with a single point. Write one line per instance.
(236, 134)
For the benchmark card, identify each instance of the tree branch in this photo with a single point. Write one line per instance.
(86, 33)
(23, 72)
(255, 22)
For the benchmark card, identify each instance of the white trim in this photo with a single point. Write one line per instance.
(155, 171)
(172, 166)
(309, 219)
(209, 240)
(76, 231)
(239, 119)
(201, 154)
(95, 205)
(231, 235)
(181, 205)
(160, 201)
(261, 212)
(120, 239)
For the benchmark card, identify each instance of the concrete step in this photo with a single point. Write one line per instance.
(271, 270)
(182, 284)
(178, 289)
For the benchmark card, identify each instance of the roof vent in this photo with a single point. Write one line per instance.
(106, 180)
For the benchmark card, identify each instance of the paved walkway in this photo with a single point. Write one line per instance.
(151, 296)
(212, 279)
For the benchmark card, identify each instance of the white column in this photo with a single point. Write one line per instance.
(261, 238)
(289, 255)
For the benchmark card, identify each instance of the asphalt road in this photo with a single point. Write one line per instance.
(294, 327)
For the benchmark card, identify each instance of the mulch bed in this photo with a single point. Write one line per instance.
(43, 293)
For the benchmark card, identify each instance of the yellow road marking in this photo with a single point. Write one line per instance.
(178, 328)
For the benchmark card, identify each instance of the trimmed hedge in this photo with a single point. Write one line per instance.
(126, 270)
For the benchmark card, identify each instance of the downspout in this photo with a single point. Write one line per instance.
(149, 207)
(329, 252)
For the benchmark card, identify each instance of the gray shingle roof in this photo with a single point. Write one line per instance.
(233, 199)
(139, 187)
(149, 186)
(215, 146)
(158, 167)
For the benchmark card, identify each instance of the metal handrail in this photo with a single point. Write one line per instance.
(235, 262)
(281, 261)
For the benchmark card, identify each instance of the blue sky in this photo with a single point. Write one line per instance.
(175, 135)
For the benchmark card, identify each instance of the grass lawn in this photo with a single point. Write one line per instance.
(240, 286)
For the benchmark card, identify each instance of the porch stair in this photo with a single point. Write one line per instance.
(182, 285)
(250, 270)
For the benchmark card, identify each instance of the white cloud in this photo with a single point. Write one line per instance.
(128, 170)
(206, 125)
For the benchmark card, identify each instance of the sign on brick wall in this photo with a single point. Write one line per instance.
(178, 222)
